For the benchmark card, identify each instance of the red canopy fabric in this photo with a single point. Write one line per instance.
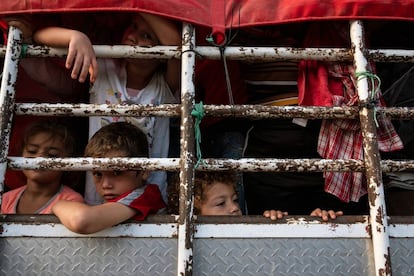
(228, 13)
(224, 14)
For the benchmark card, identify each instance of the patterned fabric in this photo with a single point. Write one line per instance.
(342, 139)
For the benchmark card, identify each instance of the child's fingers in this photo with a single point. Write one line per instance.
(93, 70)
(316, 213)
(70, 58)
(339, 213)
(77, 68)
(84, 69)
(274, 214)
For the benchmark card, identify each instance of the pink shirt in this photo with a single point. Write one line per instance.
(11, 199)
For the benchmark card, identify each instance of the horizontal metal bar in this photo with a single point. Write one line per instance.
(238, 111)
(87, 110)
(55, 230)
(231, 52)
(164, 226)
(89, 163)
(172, 164)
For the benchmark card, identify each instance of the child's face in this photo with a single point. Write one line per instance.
(111, 184)
(42, 145)
(139, 33)
(220, 199)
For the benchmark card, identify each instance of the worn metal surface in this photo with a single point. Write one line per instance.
(402, 256)
(238, 111)
(173, 164)
(373, 174)
(253, 256)
(88, 256)
(283, 257)
(87, 110)
(240, 53)
(7, 92)
(185, 220)
(89, 163)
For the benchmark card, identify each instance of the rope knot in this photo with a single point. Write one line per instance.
(375, 82)
(198, 113)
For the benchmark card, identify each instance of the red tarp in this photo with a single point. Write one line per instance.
(220, 14)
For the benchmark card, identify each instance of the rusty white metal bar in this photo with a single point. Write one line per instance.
(171, 110)
(376, 197)
(89, 163)
(109, 51)
(232, 52)
(391, 55)
(86, 110)
(281, 165)
(7, 92)
(173, 164)
(239, 111)
(185, 220)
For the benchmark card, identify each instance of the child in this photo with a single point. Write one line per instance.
(131, 81)
(39, 80)
(215, 194)
(125, 193)
(43, 187)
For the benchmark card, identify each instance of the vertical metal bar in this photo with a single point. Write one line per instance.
(378, 216)
(185, 221)
(7, 92)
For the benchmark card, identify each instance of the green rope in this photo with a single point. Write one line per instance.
(24, 51)
(198, 113)
(375, 87)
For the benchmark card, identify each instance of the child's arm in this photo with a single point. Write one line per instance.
(168, 34)
(274, 214)
(325, 215)
(81, 56)
(84, 219)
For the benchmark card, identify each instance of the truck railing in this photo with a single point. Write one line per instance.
(184, 227)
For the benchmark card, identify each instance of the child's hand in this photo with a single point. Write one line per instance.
(81, 57)
(325, 215)
(274, 214)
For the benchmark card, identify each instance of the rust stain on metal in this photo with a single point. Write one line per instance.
(372, 195)
(387, 269)
(368, 229)
(379, 216)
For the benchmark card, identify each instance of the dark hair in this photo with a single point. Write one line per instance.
(203, 180)
(55, 129)
(58, 129)
(119, 136)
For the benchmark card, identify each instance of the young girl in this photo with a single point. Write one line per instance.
(49, 139)
(215, 194)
